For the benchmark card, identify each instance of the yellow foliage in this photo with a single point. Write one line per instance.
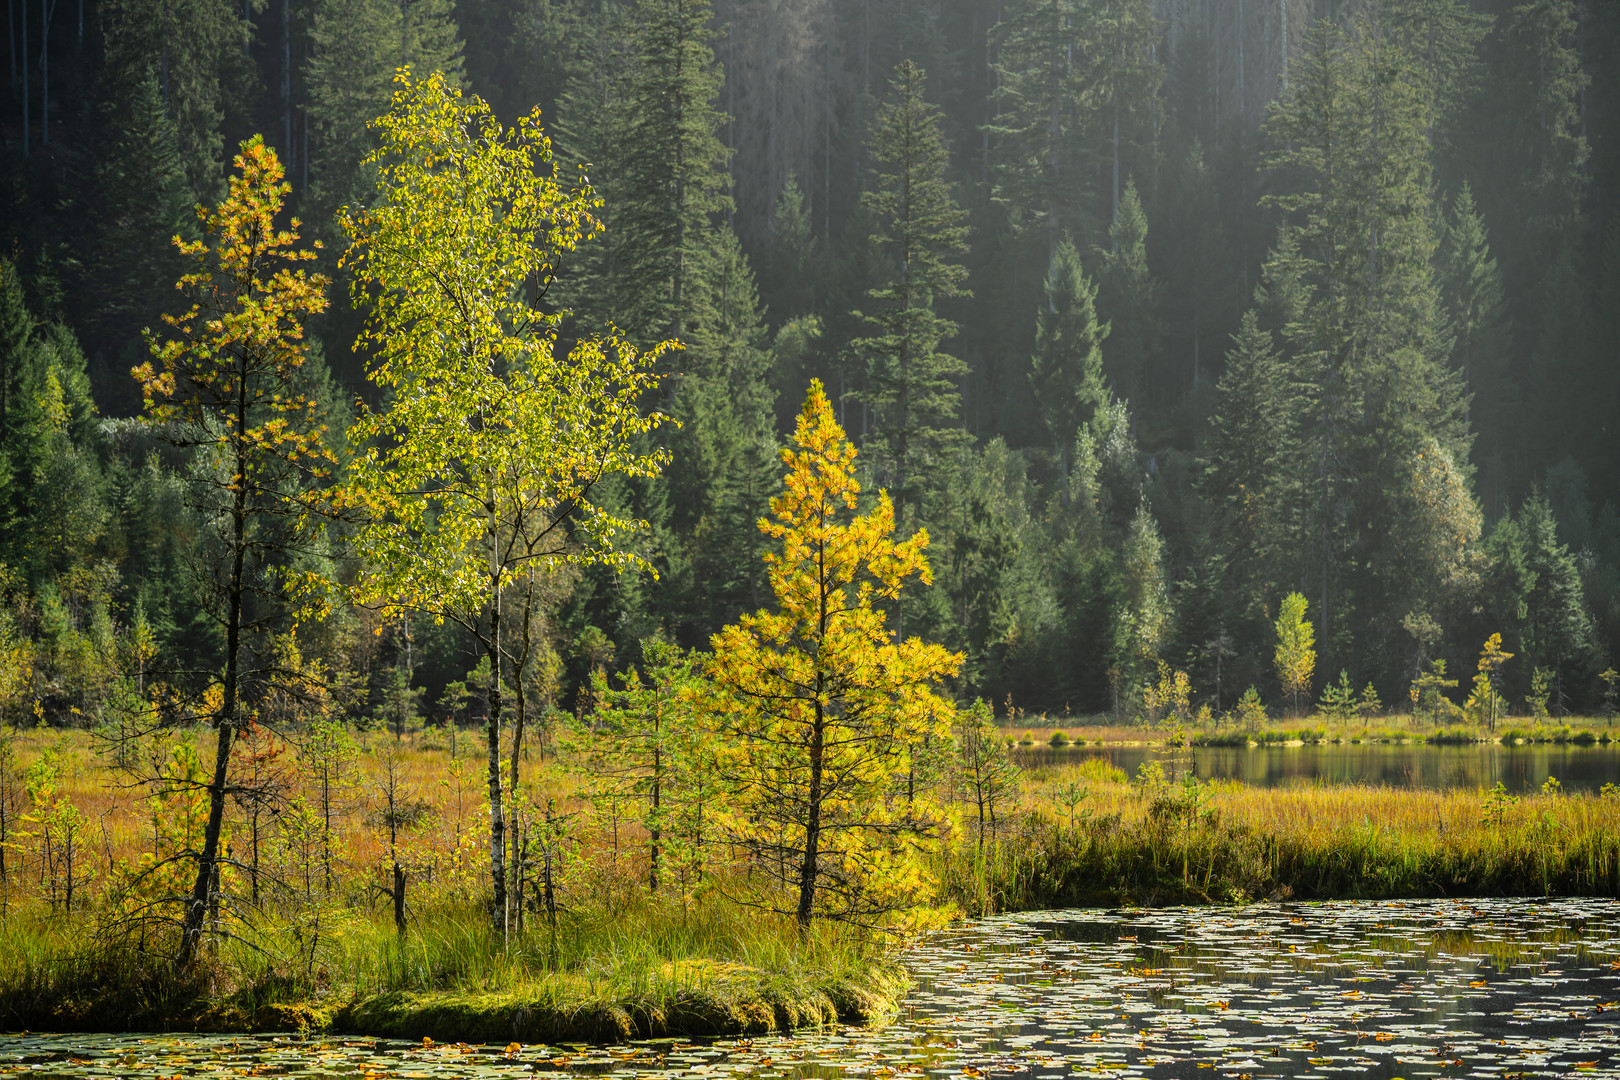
(824, 710)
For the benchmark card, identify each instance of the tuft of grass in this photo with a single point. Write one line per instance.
(1227, 843)
(651, 968)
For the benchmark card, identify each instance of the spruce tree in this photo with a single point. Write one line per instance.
(1370, 348)
(1066, 373)
(146, 202)
(1130, 298)
(794, 255)
(910, 383)
(22, 446)
(723, 470)
(654, 153)
(1471, 287)
(193, 48)
(1044, 118)
(1444, 37)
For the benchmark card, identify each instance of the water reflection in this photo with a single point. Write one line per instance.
(1520, 768)
(1479, 988)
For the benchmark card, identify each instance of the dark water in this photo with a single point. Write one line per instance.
(1461, 988)
(1520, 768)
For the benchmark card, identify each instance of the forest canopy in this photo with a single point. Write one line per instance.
(1153, 315)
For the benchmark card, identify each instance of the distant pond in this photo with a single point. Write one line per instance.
(1519, 768)
(1451, 988)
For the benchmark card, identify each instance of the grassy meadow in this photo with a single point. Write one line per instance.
(311, 941)
(591, 954)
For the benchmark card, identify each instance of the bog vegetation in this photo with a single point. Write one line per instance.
(417, 571)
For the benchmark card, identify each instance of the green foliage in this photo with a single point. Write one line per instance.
(1250, 711)
(1295, 654)
(1485, 701)
(1427, 694)
(1144, 612)
(910, 383)
(648, 747)
(1130, 297)
(985, 772)
(1339, 699)
(1066, 373)
(650, 131)
(1497, 804)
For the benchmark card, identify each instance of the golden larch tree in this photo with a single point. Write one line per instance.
(820, 709)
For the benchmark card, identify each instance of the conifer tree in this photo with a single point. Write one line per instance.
(222, 380)
(1539, 600)
(190, 47)
(723, 459)
(1249, 473)
(146, 203)
(1130, 297)
(823, 709)
(794, 255)
(1370, 350)
(1066, 373)
(1142, 620)
(1542, 128)
(651, 136)
(23, 429)
(910, 383)
(1045, 116)
(1125, 77)
(1444, 37)
(1471, 287)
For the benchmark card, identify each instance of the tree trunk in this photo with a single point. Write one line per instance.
(517, 732)
(399, 898)
(44, 73)
(809, 867)
(26, 117)
(202, 892)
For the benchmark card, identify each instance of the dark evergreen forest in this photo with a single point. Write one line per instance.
(1151, 312)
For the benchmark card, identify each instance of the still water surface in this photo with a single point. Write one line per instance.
(1477, 988)
(1520, 768)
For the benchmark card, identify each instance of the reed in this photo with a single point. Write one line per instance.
(1168, 840)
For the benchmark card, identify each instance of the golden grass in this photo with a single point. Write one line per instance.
(1096, 730)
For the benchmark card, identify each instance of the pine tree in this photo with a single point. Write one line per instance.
(1471, 287)
(1124, 77)
(1444, 37)
(723, 467)
(1142, 620)
(820, 707)
(23, 430)
(794, 256)
(911, 384)
(1540, 602)
(650, 132)
(1248, 469)
(146, 202)
(1130, 298)
(1370, 349)
(1043, 166)
(191, 47)
(1066, 373)
(1542, 127)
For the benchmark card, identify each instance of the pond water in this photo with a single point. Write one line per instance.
(1520, 768)
(1476, 988)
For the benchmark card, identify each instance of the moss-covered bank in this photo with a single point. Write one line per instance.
(724, 1000)
(689, 999)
